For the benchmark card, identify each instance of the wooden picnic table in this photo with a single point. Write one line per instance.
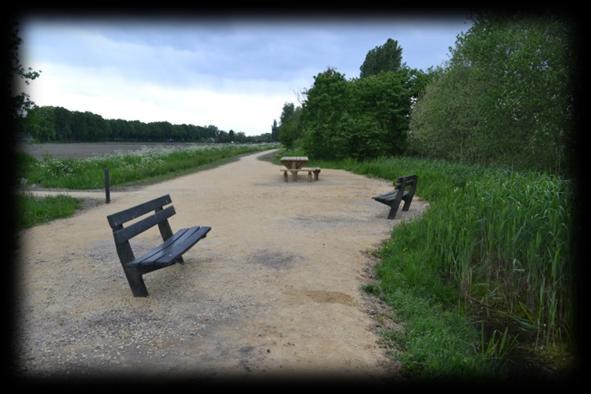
(294, 162)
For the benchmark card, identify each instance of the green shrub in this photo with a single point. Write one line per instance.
(505, 97)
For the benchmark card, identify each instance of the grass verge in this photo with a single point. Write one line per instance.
(37, 210)
(147, 165)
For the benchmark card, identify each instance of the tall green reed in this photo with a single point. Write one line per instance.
(500, 237)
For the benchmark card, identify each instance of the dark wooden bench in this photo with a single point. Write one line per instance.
(294, 173)
(166, 254)
(393, 199)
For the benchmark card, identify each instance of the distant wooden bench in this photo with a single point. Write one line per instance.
(163, 255)
(294, 173)
(393, 199)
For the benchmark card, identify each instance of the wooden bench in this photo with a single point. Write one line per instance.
(166, 254)
(393, 199)
(294, 173)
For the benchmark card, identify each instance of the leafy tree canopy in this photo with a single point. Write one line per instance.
(360, 118)
(21, 102)
(289, 130)
(387, 57)
(505, 97)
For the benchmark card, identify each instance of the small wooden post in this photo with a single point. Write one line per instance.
(107, 186)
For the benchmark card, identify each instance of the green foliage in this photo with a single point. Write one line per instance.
(36, 210)
(384, 58)
(418, 80)
(505, 97)
(289, 130)
(361, 118)
(492, 238)
(46, 124)
(379, 108)
(274, 131)
(323, 115)
(20, 102)
(435, 342)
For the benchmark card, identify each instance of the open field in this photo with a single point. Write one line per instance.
(82, 150)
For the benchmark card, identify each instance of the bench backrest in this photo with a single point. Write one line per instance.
(403, 182)
(160, 217)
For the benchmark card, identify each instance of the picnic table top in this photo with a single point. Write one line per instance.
(295, 158)
(294, 161)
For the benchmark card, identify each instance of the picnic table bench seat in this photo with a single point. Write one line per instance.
(165, 254)
(394, 198)
(294, 172)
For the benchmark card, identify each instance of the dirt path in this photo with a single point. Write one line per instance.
(274, 288)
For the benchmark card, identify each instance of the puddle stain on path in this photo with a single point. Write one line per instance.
(321, 296)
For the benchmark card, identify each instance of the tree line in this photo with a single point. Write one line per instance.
(504, 97)
(362, 117)
(58, 124)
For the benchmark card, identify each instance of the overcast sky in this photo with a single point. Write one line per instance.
(234, 74)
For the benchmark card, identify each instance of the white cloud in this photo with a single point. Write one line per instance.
(247, 105)
(232, 75)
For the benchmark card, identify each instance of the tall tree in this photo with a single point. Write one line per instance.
(361, 118)
(289, 130)
(274, 131)
(323, 113)
(21, 102)
(387, 57)
(505, 96)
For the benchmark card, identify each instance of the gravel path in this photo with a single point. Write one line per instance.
(273, 289)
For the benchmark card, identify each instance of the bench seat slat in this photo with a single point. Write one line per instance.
(172, 248)
(128, 232)
(164, 251)
(159, 248)
(387, 198)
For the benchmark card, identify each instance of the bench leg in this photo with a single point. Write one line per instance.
(285, 176)
(294, 175)
(393, 210)
(316, 175)
(309, 176)
(136, 283)
(406, 204)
